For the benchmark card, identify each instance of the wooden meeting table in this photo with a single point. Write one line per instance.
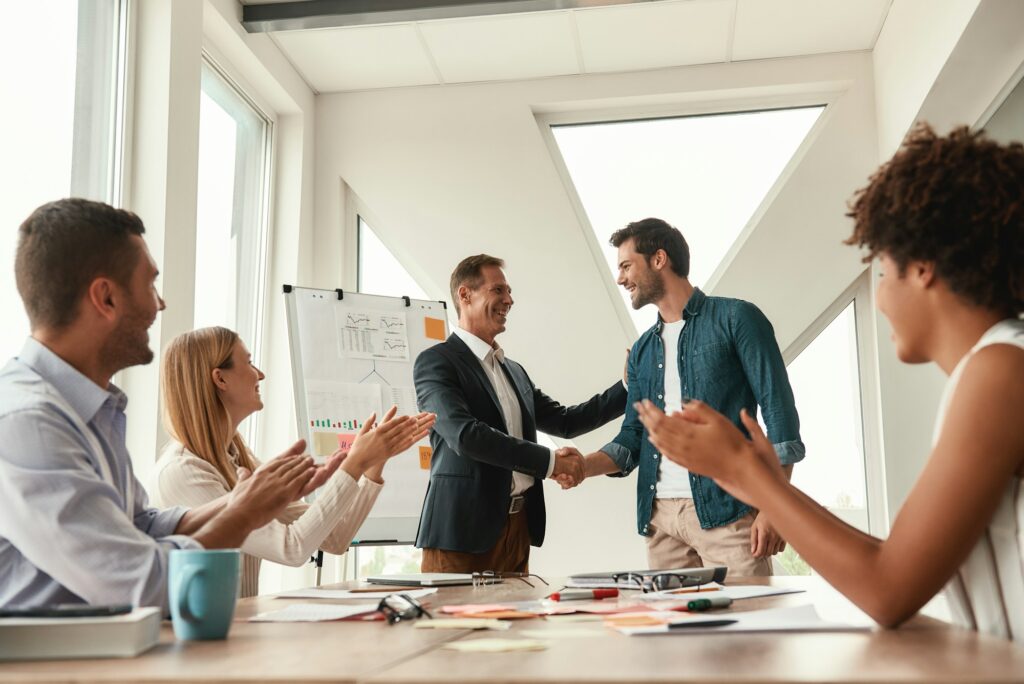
(924, 650)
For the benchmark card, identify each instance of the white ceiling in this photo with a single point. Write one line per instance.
(630, 37)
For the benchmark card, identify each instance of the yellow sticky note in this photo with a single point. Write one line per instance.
(425, 454)
(324, 443)
(433, 328)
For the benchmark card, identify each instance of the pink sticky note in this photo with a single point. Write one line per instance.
(345, 441)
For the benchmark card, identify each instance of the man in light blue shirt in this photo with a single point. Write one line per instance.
(75, 524)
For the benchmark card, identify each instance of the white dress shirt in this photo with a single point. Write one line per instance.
(491, 360)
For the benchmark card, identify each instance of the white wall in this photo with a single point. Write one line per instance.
(945, 63)
(450, 171)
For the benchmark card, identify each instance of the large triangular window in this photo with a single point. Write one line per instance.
(707, 175)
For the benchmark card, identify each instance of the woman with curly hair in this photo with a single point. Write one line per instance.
(209, 386)
(945, 219)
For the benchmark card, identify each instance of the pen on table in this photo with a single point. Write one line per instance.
(701, 624)
(583, 594)
(698, 605)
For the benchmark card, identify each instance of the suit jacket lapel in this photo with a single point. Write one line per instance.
(470, 359)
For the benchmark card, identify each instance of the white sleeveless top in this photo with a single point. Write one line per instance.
(987, 592)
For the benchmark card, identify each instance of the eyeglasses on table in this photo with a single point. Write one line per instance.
(660, 581)
(494, 577)
(398, 607)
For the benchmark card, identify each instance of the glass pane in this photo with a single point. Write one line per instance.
(826, 382)
(380, 272)
(230, 217)
(706, 175)
(59, 51)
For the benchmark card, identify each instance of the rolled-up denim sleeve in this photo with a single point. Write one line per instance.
(766, 373)
(624, 449)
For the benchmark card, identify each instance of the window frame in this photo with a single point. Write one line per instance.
(859, 294)
(254, 338)
(710, 105)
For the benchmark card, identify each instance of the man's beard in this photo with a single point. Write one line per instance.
(649, 290)
(128, 345)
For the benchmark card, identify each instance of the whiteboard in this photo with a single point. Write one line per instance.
(353, 354)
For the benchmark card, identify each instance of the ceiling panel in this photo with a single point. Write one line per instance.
(504, 47)
(803, 27)
(655, 35)
(360, 57)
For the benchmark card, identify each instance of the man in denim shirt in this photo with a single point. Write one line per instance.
(723, 352)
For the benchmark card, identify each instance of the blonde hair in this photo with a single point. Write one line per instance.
(193, 412)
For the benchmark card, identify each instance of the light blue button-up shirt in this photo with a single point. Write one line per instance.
(75, 524)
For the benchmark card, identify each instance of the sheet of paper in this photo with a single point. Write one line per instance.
(496, 645)
(369, 334)
(797, 619)
(464, 623)
(562, 633)
(476, 608)
(318, 593)
(339, 408)
(401, 396)
(314, 612)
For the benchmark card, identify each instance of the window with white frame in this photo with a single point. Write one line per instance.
(61, 124)
(380, 273)
(706, 175)
(232, 208)
(827, 384)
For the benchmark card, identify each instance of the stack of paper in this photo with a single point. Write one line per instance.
(345, 595)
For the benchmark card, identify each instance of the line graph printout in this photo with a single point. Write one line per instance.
(369, 334)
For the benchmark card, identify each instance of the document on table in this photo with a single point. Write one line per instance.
(798, 619)
(315, 612)
(342, 594)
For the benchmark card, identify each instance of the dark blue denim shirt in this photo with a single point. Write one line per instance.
(729, 359)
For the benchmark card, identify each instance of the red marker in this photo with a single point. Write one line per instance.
(584, 594)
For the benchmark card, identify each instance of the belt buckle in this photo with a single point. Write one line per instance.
(516, 504)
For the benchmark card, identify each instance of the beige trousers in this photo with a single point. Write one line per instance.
(679, 542)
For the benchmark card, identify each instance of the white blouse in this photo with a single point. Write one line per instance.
(329, 523)
(987, 592)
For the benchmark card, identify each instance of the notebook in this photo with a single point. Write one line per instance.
(116, 636)
(424, 579)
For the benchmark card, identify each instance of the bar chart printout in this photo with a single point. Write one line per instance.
(338, 408)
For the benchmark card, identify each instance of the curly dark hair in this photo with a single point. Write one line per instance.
(956, 201)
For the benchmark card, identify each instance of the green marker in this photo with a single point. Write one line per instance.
(699, 605)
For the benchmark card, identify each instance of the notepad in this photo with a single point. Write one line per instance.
(343, 594)
(114, 636)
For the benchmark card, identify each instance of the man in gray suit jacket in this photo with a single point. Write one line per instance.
(484, 509)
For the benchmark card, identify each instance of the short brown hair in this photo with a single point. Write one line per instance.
(956, 201)
(469, 272)
(65, 245)
(651, 234)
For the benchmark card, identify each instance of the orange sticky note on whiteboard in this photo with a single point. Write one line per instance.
(345, 441)
(425, 454)
(433, 328)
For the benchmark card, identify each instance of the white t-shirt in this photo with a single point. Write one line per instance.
(673, 479)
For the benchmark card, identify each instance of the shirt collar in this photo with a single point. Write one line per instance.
(479, 348)
(84, 395)
(692, 308)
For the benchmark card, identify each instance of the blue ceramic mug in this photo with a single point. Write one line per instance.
(203, 586)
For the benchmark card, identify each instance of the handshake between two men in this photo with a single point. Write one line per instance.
(570, 467)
